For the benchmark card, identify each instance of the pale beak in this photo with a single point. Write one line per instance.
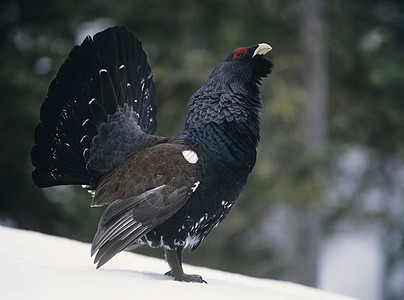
(262, 49)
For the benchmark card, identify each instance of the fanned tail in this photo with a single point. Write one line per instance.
(100, 108)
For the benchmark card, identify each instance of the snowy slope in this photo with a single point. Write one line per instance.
(39, 266)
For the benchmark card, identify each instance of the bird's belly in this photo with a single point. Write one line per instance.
(204, 210)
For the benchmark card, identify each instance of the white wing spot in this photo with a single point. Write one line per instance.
(121, 67)
(196, 184)
(190, 156)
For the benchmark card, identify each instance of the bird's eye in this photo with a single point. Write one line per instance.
(239, 53)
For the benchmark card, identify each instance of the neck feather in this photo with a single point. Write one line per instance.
(233, 104)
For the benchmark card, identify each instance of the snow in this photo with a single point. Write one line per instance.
(38, 266)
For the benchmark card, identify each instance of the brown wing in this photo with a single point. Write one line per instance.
(143, 192)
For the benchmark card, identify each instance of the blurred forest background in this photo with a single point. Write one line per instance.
(331, 157)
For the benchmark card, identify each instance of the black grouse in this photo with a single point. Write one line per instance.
(96, 129)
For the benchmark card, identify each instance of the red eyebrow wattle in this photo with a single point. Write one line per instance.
(238, 51)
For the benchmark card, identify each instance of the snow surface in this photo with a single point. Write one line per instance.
(38, 266)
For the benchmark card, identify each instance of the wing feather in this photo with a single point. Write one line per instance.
(146, 190)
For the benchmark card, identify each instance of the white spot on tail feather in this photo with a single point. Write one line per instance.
(190, 156)
(87, 187)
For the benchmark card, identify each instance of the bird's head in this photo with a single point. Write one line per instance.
(245, 66)
(231, 93)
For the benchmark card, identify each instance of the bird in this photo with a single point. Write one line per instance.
(97, 129)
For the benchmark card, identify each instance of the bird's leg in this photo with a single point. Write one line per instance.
(174, 259)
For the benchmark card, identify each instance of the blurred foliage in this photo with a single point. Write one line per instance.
(185, 40)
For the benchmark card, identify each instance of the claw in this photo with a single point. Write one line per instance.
(186, 277)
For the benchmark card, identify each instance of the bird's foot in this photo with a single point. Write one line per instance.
(186, 277)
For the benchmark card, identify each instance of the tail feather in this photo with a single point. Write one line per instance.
(97, 110)
(49, 174)
(108, 96)
(102, 94)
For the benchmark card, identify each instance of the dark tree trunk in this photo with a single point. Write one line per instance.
(312, 126)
